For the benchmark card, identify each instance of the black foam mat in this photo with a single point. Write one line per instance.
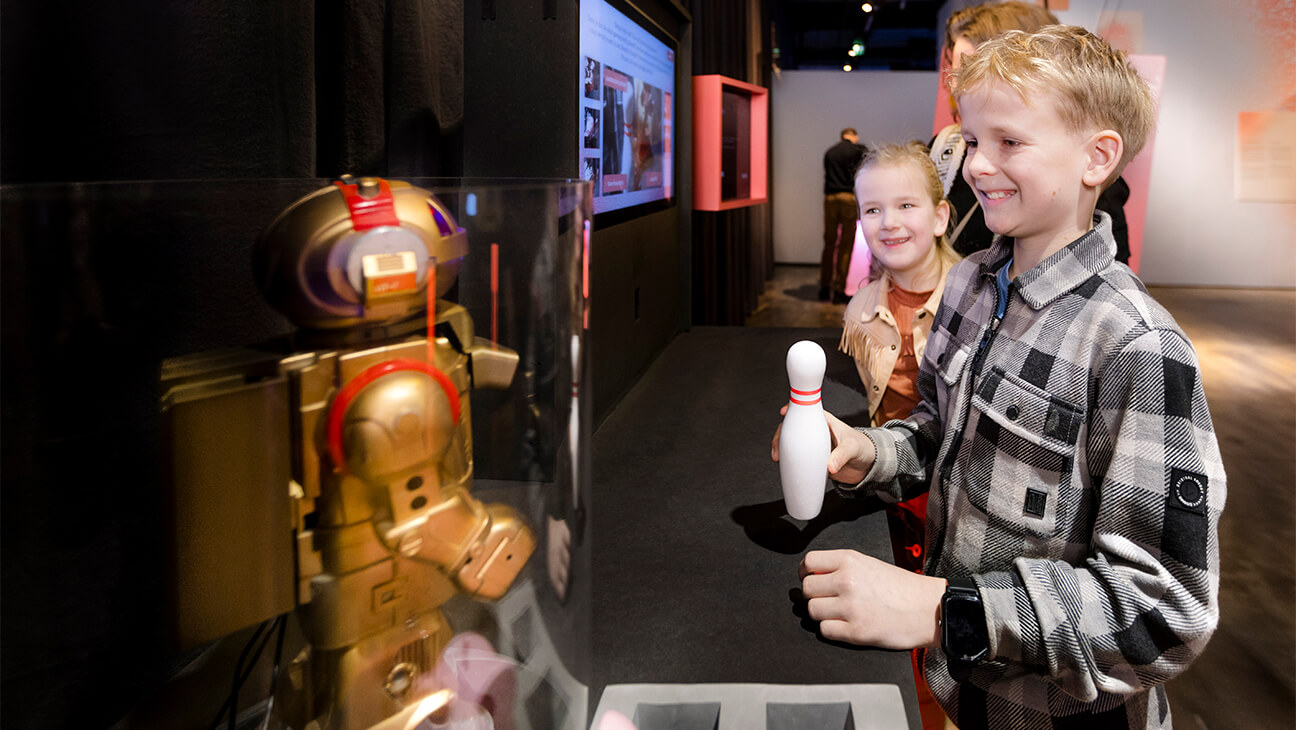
(695, 559)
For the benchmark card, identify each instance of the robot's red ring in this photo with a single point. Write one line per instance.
(358, 383)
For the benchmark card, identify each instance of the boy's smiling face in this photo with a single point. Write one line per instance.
(1027, 168)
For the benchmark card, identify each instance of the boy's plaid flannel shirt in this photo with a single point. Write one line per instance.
(1075, 475)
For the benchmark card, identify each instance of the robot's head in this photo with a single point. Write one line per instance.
(358, 252)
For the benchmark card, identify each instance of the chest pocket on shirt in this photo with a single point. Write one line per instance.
(946, 355)
(1026, 438)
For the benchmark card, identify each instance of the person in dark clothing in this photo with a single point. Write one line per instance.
(840, 214)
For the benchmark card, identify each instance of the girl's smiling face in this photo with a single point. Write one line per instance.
(899, 220)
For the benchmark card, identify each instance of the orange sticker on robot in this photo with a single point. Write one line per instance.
(392, 284)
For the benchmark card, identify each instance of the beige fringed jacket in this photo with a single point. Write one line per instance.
(870, 334)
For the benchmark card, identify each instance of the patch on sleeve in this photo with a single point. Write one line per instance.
(1188, 491)
(1184, 535)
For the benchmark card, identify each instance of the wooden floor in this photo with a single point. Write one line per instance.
(1246, 343)
(791, 300)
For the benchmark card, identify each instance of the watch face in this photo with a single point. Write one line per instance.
(964, 629)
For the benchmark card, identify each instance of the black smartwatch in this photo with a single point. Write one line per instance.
(963, 628)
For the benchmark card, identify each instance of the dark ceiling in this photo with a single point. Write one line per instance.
(897, 35)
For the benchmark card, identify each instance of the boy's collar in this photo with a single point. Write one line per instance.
(1063, 271)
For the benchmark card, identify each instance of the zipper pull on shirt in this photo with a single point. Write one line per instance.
(1002, 283)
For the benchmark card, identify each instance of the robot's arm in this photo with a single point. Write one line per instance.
(401, 438)
(491, 365)
(480, 547)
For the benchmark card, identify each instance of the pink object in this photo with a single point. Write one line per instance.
(613, 720)
(861, 259)
(944, 115)
(1139, 171)
(708, 94)
(477, 675)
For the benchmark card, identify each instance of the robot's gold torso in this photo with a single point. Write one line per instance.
(387, 527)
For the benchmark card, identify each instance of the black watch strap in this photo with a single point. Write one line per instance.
(965, 586)
(963, 629)
(959, 671)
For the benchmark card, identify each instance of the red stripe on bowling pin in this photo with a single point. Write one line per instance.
(806, 396)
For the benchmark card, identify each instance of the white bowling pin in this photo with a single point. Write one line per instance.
(804, 442)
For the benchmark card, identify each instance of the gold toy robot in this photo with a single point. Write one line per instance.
(371, 417)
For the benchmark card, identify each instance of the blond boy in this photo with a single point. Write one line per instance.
(1074, 476)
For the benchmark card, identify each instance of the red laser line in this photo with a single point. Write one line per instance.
(494, 296)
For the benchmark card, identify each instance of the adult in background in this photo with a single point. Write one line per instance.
(840, 214)
(964, 31)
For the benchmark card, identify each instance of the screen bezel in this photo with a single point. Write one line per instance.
(641, 19)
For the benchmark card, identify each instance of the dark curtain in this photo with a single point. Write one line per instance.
(229, 89)
(720, 43)
(169, 91)
(733, 250)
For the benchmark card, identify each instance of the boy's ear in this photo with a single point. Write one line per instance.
(1105, 149)
(942, 218)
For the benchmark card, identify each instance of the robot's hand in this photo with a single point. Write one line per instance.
(492, 366)
(480, 547)
(495, 560)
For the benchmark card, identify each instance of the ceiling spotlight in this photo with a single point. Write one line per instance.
(867, 7)
(847, 67)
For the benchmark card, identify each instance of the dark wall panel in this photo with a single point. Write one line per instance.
(635, 299)
(520, 120)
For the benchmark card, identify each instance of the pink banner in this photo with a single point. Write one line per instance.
(618, 81)
(614, 183)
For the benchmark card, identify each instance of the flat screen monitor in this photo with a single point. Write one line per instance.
(627, 92)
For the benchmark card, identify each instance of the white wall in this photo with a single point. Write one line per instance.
(809, 110)
(1221, 58)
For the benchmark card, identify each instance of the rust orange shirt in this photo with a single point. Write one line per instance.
(902, 389)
